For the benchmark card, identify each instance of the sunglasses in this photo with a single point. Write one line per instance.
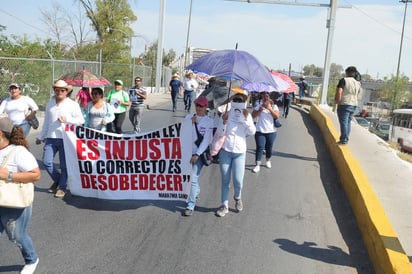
(237, 100)
(137, 80)
(199, 105)
(60, 90)
(95, 93)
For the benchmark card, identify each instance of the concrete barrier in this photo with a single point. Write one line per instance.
(382, 243)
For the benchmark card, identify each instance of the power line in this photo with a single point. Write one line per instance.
(376, 20)
(21, 20)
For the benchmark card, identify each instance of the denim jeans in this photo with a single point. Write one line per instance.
(231, 164)
(15, 222)
(26, 129)
(188, 99)
(174, 95)
(51, 147)
(264, 141)
(194, 188)
(345, 113)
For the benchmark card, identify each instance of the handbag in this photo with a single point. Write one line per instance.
(277, 123)
(217, 143)
(15, 194)
(34, 122)
(205, 157)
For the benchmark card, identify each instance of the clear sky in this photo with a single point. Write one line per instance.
(367, 35)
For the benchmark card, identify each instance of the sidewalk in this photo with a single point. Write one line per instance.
(390, 177)
(377, 184)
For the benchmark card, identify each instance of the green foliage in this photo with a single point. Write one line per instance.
(312, 70)
(395, 91)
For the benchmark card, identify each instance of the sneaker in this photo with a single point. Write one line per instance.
(60, 193)
(238, 205)
(53, 187)
(222, 211)
(268, 164)
(188, 212)
(256, 169)
(30, 268)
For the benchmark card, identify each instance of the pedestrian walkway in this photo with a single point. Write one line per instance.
(389, 179)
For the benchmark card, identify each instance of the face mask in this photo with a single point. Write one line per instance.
(240, 106)
(237, 111)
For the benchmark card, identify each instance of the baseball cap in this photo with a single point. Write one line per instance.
(14, 85)
(201, 100)
(5, 124)
(120, 82)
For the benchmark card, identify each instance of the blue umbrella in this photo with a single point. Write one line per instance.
(233, 65)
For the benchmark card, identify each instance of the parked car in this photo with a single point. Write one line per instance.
(362, 122)
(381, 129)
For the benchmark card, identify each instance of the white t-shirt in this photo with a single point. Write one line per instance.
(265, 123)
(18, 108)
(20, 161)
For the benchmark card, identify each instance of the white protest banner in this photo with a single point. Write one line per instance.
(147, 166)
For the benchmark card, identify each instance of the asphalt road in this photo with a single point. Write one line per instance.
(296, 219)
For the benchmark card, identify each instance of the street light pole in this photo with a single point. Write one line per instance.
(396, 90)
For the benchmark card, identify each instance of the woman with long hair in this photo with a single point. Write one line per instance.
(21, 167)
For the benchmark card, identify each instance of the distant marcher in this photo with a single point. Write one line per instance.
(287, 101)
(21, 167)
(175, 88)
(59, 110)
(303, 87)
(236, 125)
(190, 86)
(83, 97)
(119, 99)
(204, 127)
(19, 108)
(265, 112)
(348, 92)
(137, 95)
(98, 112)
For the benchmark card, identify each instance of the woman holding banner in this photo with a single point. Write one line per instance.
(202, 127)
(60, 109)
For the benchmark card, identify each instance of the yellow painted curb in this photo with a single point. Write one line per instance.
(382, 243)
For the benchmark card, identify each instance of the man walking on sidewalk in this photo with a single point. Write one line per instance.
(190, 86)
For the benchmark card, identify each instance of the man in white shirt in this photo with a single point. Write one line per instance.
(190, 86)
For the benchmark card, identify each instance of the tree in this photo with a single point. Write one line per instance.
(111, 19)
(395, 92)
(336, 71)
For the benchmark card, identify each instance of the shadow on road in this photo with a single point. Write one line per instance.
(331, 255)
(119, 205)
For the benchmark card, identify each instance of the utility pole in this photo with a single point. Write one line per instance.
(330, 24)
(160, 46)
(187, 35)
(396, 91)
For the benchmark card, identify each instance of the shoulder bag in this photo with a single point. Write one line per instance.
(33, 122)
(205, 157)
(15, 194)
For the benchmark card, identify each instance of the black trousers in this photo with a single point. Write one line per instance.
(116, 125)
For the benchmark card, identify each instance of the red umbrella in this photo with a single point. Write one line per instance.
(292, 86)
(84, 78)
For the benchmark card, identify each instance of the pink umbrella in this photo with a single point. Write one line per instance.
(84, 78)
(292, 86)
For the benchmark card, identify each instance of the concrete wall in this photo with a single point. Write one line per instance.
(384, 248)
